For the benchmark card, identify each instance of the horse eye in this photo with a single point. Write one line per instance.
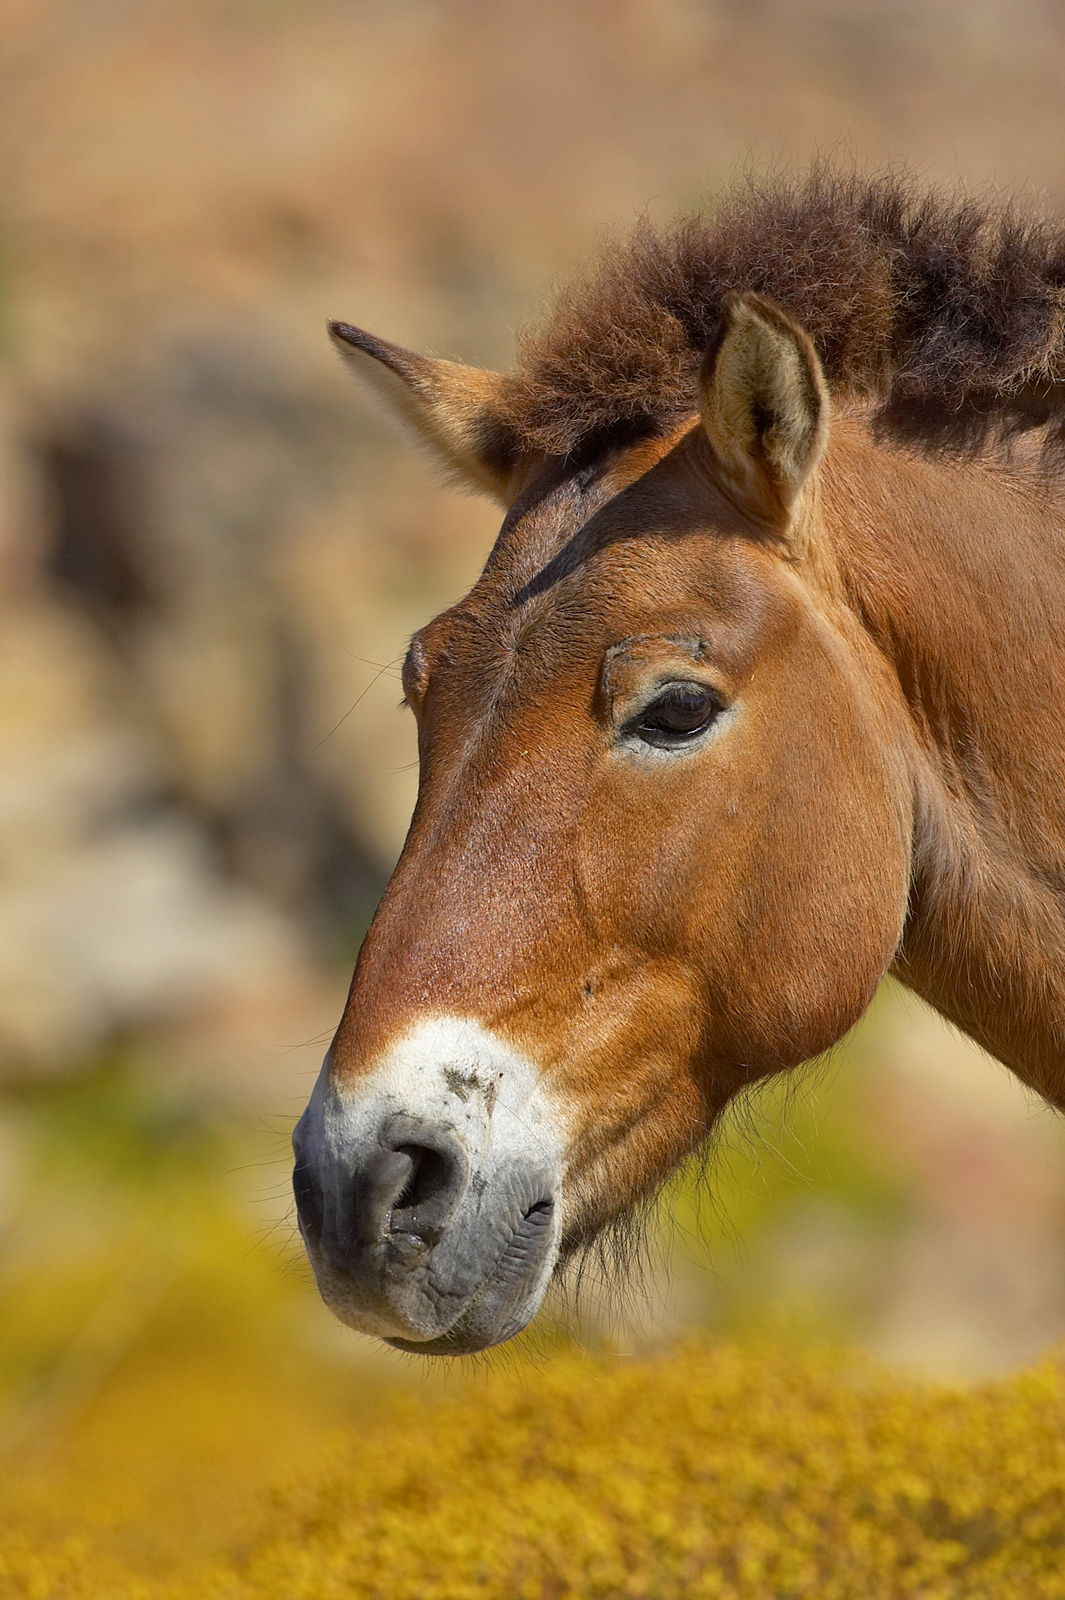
(680, 713)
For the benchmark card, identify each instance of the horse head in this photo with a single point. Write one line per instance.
(661, 847)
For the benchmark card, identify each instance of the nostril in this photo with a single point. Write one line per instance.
(383, 1176)
(404, 1192)
(431, 1174)
(433, 1185)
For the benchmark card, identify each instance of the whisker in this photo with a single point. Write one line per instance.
(356, 703)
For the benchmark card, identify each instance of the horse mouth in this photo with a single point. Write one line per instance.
(507, 1299)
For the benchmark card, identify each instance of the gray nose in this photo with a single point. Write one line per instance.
(396, 1201)
(414, 1239)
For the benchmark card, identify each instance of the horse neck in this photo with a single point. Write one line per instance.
(957, 571)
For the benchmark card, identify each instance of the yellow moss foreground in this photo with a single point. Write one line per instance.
(711, 1472)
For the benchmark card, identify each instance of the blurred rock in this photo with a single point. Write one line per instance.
(113, 914)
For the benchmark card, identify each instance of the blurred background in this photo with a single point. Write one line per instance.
(211, 557)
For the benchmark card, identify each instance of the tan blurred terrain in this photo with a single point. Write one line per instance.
(211, 555)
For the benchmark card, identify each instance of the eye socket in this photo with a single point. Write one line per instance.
(676, 716)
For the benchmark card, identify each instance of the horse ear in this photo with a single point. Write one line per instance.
(765, 406)
(452, 410)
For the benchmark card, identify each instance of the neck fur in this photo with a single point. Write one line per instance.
(957, 573)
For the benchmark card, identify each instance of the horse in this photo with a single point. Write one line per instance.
(758, 698)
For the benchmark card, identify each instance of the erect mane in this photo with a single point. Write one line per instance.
(944, 310)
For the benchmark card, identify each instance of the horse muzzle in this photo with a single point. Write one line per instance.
(428, 1192)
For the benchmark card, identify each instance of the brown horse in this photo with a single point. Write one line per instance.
(758, 698)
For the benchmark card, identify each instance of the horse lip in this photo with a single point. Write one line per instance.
(480, 1324)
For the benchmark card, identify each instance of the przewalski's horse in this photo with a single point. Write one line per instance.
(760, 696)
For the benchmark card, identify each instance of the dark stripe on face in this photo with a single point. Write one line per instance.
(541, 534)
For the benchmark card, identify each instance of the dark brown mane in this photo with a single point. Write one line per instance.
(946, 311)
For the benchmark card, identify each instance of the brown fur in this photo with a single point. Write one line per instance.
(946, 312)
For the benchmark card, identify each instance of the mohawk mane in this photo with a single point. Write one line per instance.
(946, 312)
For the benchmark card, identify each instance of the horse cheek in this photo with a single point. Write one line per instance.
(823, 909)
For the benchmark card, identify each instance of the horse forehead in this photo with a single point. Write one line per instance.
(585, 561)
(561, 502)
(625, 588)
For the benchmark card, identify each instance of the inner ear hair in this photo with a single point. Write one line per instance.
(764, 405)
(449, 409)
